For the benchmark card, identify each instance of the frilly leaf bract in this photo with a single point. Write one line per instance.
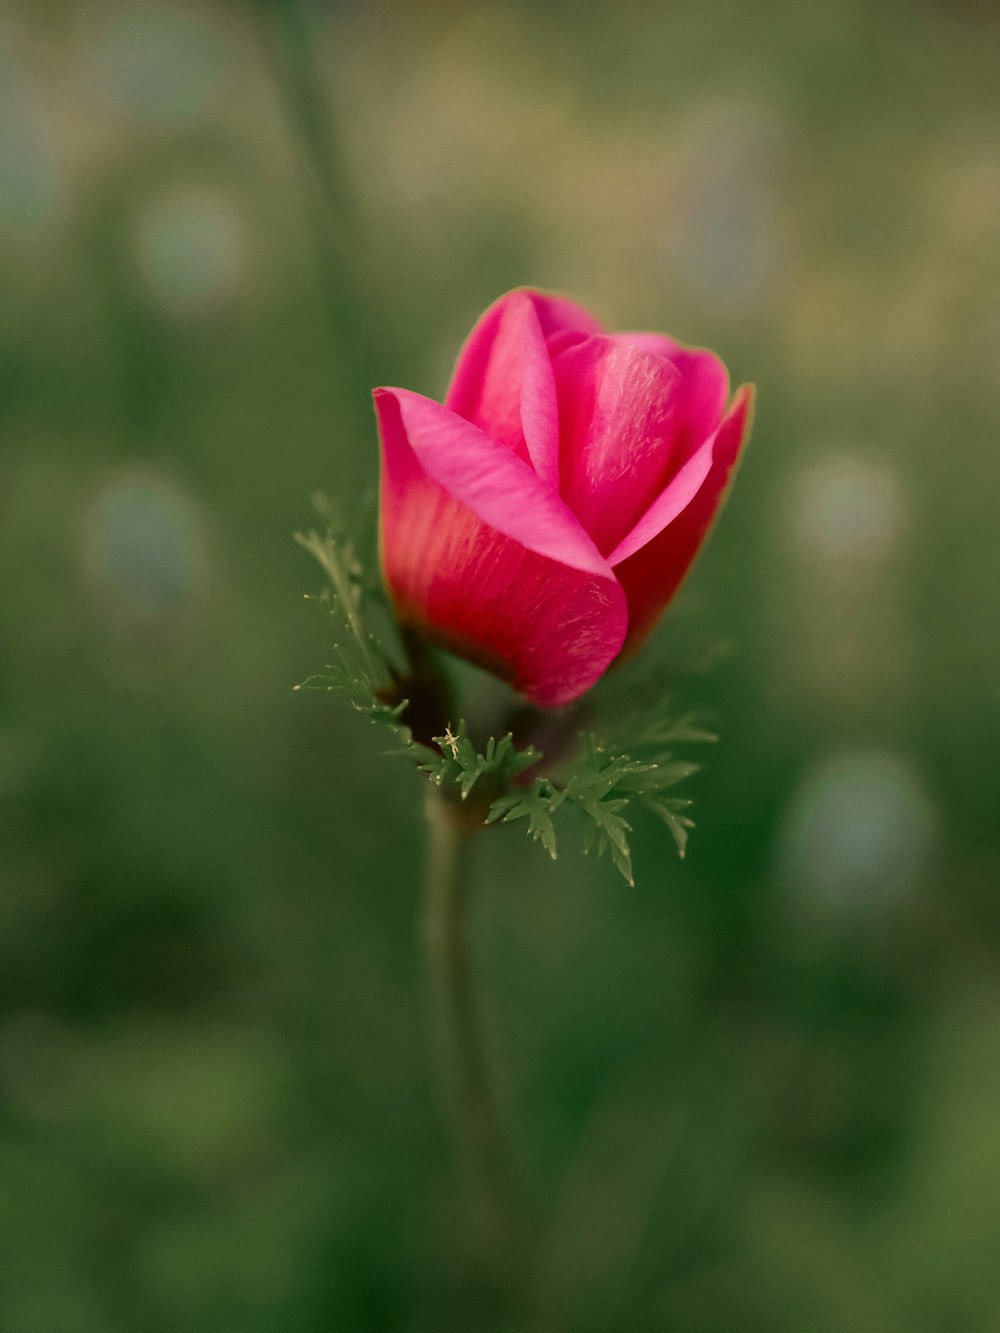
(461, 765)
(602, 784)
(360, 669)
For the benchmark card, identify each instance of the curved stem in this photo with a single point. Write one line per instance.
(454, 1017)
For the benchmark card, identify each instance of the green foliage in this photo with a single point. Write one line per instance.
(459, 764)
(360, 669)
(603, 781)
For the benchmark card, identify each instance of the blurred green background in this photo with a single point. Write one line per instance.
(761, 1091)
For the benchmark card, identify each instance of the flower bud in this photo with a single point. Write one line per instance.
(538, 522)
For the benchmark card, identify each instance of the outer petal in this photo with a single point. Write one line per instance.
(653, 573)
(549, 627)
(501, 488)
(618, 437)
(503, 378)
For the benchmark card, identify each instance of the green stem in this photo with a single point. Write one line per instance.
(455, 1021)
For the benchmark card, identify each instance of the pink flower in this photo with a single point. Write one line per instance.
(540, 520)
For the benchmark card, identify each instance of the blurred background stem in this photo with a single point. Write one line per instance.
(289, 42)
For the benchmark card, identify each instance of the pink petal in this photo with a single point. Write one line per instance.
(617, 428)
(704, 386)
(503, 378)
(494, 483)
(565, 323)
(547, 627)
(668, 504)
(556, 315)
(654, 572)
(657, 343)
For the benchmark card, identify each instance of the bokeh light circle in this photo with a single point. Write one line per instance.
(858, 832)
(192, 249)
(143, 544)
(845, 507)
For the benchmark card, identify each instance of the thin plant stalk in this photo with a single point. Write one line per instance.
(454, 1016)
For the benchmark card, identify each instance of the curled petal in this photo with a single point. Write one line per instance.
(501, 488)
(672, 500)
(652, 574)
(549, 627)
